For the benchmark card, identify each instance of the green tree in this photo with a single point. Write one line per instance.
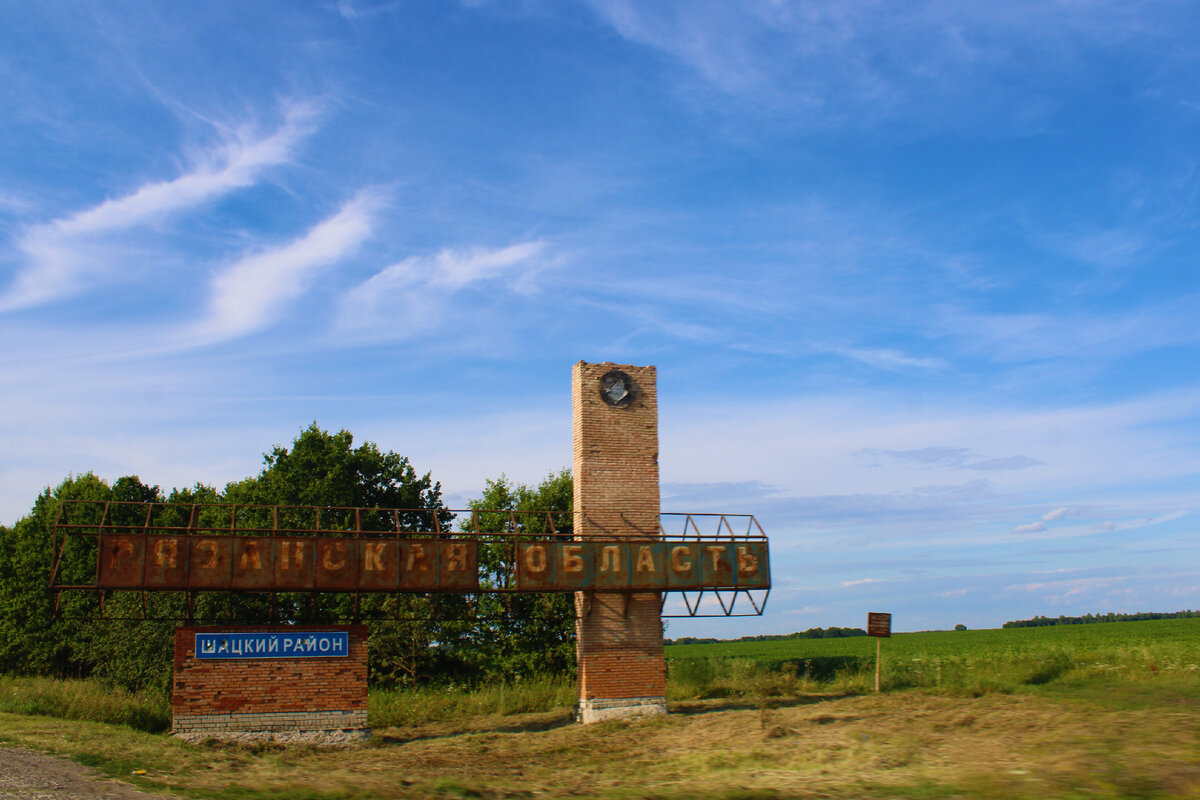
(522, 634)
(426, 637)
(326, 470)
(32, 639)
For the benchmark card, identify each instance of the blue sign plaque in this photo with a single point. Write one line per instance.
(274, 644)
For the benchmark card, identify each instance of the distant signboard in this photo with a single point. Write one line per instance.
(270, 644)
(879, 624)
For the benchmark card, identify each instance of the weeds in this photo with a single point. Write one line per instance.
(412, 706)
(91, 701)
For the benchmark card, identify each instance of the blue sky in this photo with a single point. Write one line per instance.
(921, 284)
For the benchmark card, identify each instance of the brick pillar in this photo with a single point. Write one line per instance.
(619, 650)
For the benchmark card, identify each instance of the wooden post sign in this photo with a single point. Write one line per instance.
(879, 625)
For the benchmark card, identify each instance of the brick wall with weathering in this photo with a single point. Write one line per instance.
(269, 694)
(619, 648)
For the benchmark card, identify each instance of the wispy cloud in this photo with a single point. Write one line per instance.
(1061, 590)
(10, 202)
(1142, 522)
(1027, 337)
(418, 290)
(252, 292)
(891, 360)
(951, 457)
(860, 582)
(62, 257)
(853, 62)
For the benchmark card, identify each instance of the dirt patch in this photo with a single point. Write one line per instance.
(25, 775)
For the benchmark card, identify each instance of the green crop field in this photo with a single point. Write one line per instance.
(1001, 659)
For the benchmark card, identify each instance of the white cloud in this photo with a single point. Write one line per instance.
(251, 293)
(860, 582)
(414, 294)
(62, 257)
(1059, 513)
(1032, 527)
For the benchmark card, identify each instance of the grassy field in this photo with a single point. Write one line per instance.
(1003, 659)
(1116, 714)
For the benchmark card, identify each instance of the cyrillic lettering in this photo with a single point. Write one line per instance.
(250, 559)
(165, 552)
(416, 555)
(456, 555)
(678, 555)
(610, 558)
(535, 557)
(329, 562)
(121, 546)
(373, 556)
(210, 547)
(645, 559)
(572, 560)
(288, 551)
(747, 562)
(715, 550)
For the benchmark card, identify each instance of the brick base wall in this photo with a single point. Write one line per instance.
(269, 694)
(619, 647)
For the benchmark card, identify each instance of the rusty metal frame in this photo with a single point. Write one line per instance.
(187, 520)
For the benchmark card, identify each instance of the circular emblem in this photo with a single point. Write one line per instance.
(617, 388)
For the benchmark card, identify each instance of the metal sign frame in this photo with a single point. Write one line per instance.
(116, 547)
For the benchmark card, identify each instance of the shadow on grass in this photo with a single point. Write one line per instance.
(693, 707)
(524, 723)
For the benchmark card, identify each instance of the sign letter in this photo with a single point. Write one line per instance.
(572, 560)
(373, 557)
(120, 547)
(679, 561)
(610, 559)
(328, 560)
(165, 551)
(535, 557)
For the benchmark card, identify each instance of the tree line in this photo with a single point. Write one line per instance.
(447, 638)
(1039, 622)
(832, 632)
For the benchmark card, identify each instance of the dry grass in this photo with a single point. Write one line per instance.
(908, 744)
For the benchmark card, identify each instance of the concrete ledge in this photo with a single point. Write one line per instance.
(619, 708)
(345, 738)
(278, 722)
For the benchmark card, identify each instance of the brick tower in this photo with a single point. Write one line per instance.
(619, 650)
